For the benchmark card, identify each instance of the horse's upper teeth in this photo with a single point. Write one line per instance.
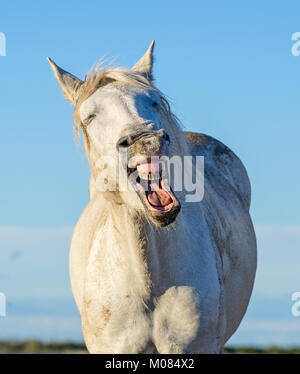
(150, 170)
(149, 176)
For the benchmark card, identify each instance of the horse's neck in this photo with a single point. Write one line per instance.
(132, 245)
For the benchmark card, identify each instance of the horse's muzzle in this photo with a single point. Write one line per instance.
(146, 172)
(145, 140)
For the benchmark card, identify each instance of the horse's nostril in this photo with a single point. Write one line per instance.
(166, 137)
(124, 142)
(163, 134)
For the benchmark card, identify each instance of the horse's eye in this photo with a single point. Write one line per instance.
(89, 119)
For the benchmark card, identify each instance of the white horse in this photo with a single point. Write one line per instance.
(147, 276)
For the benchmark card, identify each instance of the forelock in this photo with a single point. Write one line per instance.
(99, 78)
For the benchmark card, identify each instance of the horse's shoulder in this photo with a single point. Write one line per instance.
(220, 162)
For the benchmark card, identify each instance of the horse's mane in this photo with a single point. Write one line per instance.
(102, 75)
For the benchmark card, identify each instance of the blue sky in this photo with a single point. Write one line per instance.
(228, 70)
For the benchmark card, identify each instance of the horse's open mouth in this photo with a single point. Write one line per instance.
(151, 184)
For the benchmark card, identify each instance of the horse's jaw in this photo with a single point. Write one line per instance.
(157, 197)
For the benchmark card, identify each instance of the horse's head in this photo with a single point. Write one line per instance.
(123, 119)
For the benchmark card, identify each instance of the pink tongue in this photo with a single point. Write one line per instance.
(158, 197)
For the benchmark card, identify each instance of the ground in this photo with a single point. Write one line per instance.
(34, 346)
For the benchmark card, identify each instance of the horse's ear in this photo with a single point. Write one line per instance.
(68, 82)
(144, 65)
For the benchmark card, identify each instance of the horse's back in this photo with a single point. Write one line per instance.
(220, 164)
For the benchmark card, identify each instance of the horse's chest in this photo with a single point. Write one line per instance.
(120, 313)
